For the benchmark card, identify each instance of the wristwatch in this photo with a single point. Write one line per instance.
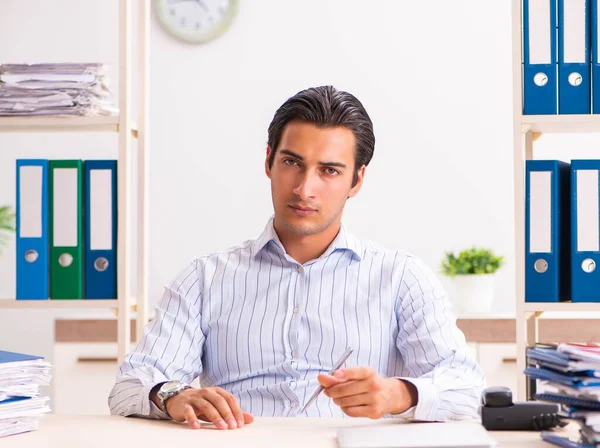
(168, 390)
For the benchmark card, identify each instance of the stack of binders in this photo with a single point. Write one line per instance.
(570, 374)
(66, 229)
(21, 405)
(562, 231)
(561, 57)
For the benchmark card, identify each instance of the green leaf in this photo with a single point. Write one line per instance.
(471, 261)
(7, 224)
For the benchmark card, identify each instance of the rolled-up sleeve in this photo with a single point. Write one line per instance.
(171, 349)
(448, 379)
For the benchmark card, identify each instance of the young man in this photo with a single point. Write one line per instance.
(262, 323)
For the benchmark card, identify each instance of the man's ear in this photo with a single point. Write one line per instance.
(360, 177)
(267, 169)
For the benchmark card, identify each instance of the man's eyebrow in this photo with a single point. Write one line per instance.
(299, 157)
(291, 153)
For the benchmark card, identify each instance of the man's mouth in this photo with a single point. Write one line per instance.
(302, 211)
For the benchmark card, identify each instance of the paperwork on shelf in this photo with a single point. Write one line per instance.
(64, 89)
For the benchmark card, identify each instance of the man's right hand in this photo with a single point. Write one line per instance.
(211, 404)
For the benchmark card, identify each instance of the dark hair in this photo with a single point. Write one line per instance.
(326, 106)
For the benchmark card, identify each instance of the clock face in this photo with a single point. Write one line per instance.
(196, 21)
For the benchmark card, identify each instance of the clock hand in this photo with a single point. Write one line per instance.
(201, 3)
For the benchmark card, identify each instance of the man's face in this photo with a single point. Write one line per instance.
(311, 176)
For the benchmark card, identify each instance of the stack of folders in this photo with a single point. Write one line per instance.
(562, 239)
(570, 374)
(66, 229)
(54, 89)
(561, 57)
(21, 405)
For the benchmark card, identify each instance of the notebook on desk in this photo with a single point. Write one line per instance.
(416, 435)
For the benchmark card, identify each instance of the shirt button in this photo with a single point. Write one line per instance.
(294, 404)
(300, 269)
(296, 309)
(294, 354)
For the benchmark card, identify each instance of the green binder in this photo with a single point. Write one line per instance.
(66, 229)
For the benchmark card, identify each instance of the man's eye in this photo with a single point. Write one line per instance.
(331, 171)
(290, 162)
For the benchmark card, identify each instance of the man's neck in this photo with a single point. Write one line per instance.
(306, 248)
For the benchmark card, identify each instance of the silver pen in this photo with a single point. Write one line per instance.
(319, 389)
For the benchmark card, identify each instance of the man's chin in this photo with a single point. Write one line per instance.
(301, 227)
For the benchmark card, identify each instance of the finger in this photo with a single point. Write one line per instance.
(328, 380)
(355, 373)
(248, 418)
(356, 411)
(190, 417)
(354, 400)
(236, 410)
(208, 412)
(348, 389)
(219, 402)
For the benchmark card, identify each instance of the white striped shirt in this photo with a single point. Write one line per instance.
(254, 322)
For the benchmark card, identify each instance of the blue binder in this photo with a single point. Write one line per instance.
(6, 357)
(539, 58)
(595, 55)
(32, 229)
(574, 57)
(547, 226)
(585, 235)
(100, 184)
(563, 442)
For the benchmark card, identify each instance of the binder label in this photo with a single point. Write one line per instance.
(588, 225)
(101, 210)
(30, 213)
(539, 32)
(574, 31)
(65, 207)
(540, 219)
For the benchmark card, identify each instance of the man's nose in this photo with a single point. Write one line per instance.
(306, 186)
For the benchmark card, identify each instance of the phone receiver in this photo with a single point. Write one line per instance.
(498, 412)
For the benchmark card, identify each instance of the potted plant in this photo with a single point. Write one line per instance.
(7, 224)
(473, 273)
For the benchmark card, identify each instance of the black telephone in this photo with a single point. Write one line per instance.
(498, 412)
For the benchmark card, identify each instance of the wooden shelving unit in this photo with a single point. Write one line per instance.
(126, 130)
(526, 130)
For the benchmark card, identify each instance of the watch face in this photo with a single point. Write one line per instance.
(170, 387)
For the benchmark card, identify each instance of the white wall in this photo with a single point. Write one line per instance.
(435, 77)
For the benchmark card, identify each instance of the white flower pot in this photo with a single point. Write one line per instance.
(474, 293)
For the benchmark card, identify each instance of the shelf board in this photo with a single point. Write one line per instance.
(59, 124)
(48, 304)
(560, 123)
(562, 307)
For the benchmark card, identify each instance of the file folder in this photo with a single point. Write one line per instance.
(595, 55)
(585, 237)
(573, 57)
(547, 225)
(100, 182)
(32, 229)
(539, 57)
(66, 242)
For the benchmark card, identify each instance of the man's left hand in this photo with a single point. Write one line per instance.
(362, 392)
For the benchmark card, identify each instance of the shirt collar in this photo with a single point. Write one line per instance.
(343, 241)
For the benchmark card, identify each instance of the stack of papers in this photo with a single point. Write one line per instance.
(570, 374)
(54, 89)
(21, 405)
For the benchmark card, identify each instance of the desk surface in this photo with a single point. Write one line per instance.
(66, 431)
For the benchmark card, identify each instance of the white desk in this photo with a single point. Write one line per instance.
(62, 431)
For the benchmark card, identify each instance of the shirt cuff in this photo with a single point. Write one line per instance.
(148, 407)
(427, 400)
